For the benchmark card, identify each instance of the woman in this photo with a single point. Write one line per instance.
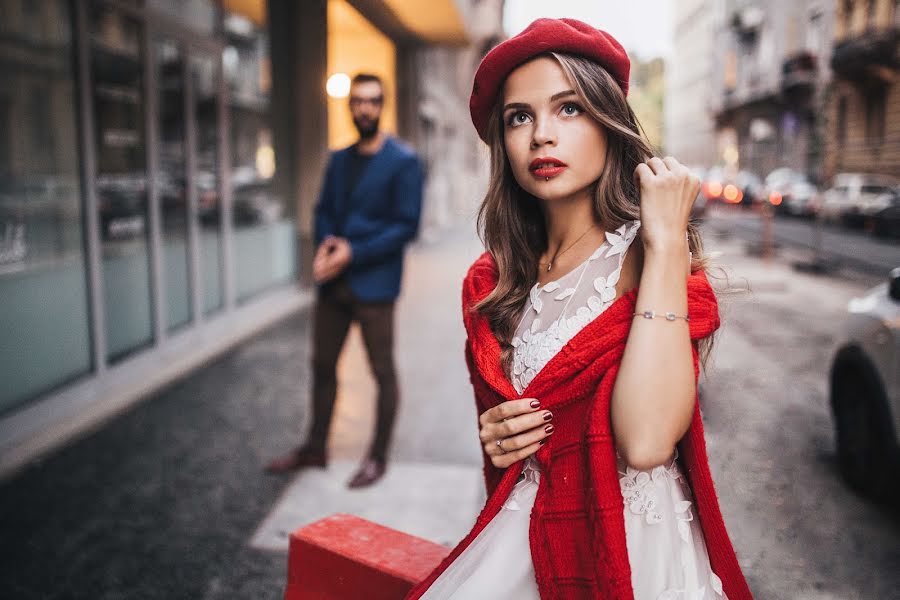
(585, 321)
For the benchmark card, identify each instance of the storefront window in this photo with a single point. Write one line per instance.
(199, 15)
(171, 189)
(121, 178)
(263, 231)
(43, 285)
(205, 78)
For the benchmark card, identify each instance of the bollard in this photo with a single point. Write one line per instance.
(343, 557)
(767, 236)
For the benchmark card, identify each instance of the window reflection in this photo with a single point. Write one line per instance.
(170, 182)
(121, 183)
(45, 337)
(263, 233)
(205, 78)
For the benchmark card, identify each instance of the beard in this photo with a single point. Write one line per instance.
(367, 128)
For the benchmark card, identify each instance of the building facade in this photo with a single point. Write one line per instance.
(863, 108)
(690, 84)
(772, 79)
(159, 165)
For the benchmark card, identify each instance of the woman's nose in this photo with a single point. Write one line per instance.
(543, 134)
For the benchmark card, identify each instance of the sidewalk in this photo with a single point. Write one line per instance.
(163, 501)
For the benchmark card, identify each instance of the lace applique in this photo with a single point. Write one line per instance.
(638, 497)
(535, 347)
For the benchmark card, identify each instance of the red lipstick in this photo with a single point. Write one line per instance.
(545, 167)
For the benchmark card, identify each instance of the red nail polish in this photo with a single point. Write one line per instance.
(548, 415)
(548, 429)
(535, 404)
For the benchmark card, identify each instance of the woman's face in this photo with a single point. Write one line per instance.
(556, 150)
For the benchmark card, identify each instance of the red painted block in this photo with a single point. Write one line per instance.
(343, 557)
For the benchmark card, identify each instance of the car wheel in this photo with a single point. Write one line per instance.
(866, 451)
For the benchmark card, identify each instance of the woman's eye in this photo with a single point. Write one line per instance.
(517, 119)
(571, 109)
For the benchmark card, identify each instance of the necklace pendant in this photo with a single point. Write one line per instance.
(549, 265)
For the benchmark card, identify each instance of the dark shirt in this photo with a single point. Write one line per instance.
(358, 164)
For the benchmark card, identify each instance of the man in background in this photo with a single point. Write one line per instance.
(367, 212)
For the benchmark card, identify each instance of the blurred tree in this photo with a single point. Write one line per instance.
(646, 96)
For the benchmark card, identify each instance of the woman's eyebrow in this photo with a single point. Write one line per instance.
(553, 98)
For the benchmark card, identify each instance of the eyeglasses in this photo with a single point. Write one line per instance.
(376, 101)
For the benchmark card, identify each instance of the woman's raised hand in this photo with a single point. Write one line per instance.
(520, 427)
(668, 191)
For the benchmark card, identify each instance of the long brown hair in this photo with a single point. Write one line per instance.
(511, 224)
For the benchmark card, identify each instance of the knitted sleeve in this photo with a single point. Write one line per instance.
(482, 393)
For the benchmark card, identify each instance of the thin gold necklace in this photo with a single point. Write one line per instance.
(558, 253)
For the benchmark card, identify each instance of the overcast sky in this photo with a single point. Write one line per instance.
(642, 26)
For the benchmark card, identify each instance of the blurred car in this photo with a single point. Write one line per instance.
(800, 199)
(254, 197)
(122, 205)
(791, 193)
(886, 222)
(719, 186)
(751, 187)
(865, 391)
(855, 197)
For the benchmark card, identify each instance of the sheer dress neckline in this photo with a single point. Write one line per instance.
(558, 310)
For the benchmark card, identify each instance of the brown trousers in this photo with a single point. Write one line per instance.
(335, 309)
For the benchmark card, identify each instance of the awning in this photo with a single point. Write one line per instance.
(436, 21)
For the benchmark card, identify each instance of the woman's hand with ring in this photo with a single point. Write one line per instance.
(514, 430)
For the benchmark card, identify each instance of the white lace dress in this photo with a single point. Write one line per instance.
(665, 543)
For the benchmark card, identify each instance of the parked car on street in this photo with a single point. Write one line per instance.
(751, 187)
(791, 193)
(719, 186)
(855, 197)
(886, 222)
(865, 392)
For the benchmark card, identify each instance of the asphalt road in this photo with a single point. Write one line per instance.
(850, 251)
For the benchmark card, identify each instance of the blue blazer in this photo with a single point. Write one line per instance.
(378, 218)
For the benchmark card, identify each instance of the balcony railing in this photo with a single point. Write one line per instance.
(798, 75)
(860, 56)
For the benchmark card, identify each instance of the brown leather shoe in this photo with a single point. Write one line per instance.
(369, 472)
(297, 459)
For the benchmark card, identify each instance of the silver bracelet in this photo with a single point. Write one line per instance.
(669, 316)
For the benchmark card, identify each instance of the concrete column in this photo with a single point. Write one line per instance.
(407, 91)
(298, 39)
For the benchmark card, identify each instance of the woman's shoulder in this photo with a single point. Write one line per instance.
(481, 277)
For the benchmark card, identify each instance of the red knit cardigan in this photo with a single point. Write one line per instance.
(577, 527)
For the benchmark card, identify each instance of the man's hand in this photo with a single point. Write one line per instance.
(332, 258)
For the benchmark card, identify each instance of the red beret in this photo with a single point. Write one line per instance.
(543, 35)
